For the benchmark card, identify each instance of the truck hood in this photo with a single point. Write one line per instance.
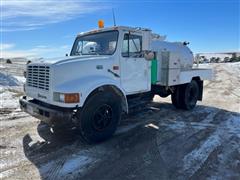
(64, 59)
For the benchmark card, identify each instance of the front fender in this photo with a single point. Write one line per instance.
(86, 85)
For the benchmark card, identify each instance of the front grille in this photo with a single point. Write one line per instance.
(38, 76)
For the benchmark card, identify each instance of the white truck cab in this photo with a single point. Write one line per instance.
(107, 69)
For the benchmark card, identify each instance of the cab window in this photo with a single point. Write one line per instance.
(132, 46)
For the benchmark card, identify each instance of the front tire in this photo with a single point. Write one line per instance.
(99, 117)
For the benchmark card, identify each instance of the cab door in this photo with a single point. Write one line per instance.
(135, 70)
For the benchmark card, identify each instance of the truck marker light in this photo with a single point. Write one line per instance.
(100, 24)
(71, 98)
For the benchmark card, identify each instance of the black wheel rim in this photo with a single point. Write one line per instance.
(102, 117)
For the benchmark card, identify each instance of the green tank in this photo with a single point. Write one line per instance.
(154, 71)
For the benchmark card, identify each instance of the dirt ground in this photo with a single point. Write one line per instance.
(154, 142)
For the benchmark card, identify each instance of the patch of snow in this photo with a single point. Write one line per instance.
(20, 79)
(9, 80)
(196, 158)
(233, 68)
(233, 125)
(6, 174)
(181, 126)
(228, 128)
(227, 160)
(11, 162)
(75, 163)
(8, 99)
(10, 90)
(224, 88)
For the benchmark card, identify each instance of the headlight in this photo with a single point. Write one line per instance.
(61, 97)
(67, 97)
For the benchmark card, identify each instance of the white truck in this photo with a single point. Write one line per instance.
(107, 69)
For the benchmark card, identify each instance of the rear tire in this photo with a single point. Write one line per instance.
(191, 95)
(186, 96)
(176, 98)
(99, 117)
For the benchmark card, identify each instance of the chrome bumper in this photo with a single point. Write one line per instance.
(49, 114)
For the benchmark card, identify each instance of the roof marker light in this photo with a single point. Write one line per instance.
(100, 24)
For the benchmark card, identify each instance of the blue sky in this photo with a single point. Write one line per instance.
(38, 28)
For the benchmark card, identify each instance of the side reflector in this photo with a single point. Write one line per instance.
(71, 98)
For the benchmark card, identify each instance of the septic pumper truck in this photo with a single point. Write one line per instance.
(107, 69)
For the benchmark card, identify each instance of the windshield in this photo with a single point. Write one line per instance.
(103, 43)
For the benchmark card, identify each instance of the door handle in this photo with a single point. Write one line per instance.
(115, 74)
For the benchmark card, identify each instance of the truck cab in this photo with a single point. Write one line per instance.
(123, 47)
(107, 68)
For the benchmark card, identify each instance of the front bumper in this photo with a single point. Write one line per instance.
(47, 113)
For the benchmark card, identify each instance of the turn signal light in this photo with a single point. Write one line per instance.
(71, 98)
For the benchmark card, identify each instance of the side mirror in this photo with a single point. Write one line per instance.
(149, 55)
(66, 54)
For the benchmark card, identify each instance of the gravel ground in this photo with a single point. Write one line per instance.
(154, 142)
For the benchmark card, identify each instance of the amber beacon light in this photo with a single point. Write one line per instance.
(101, 24)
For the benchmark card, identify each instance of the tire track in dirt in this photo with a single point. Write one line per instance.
(190, 136)
(195, 160)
